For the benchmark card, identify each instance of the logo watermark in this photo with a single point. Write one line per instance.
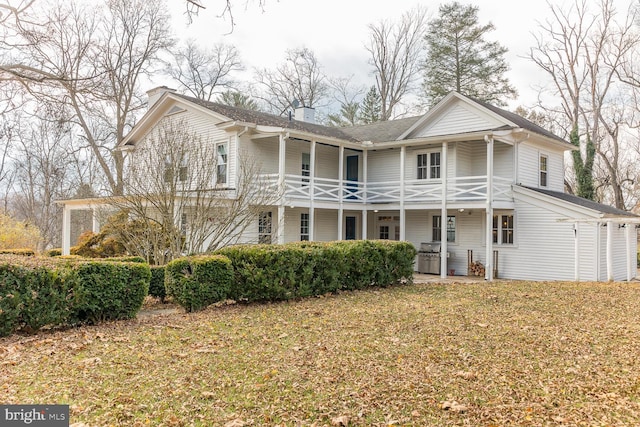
(34, 415)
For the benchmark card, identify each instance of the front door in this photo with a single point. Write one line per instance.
(352, 176)
(350, 228)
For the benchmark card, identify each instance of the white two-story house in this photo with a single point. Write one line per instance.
(466, 179)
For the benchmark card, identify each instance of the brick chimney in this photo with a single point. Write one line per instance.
(154, 94)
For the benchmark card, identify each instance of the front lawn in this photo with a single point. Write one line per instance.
(525, 354)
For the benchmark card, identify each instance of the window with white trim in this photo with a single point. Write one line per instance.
(305, 168)
(428, 165)
(503, 229)
(170, 169)
(544, 167)
(304, 226)
(221, 163)
(436, 229)
(265, 227)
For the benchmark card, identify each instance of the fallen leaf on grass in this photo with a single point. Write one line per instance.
(467, 375)
(453, 406)
(342, 420)
(235, 423)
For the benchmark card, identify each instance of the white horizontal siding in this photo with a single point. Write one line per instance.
(458, 118)
(384, 165)
(263, 151)
(463, 158)
(529, 167)
(327, 159)
(326, 225)
(544, 247)
(502, 160)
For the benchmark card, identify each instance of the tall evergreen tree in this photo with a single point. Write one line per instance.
(371, 107)
(238, 99)
(460, 58)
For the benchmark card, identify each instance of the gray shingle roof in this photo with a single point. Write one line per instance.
(381, 131)
(518, 120)
(586, 203)
(265, 119)
(375, 132)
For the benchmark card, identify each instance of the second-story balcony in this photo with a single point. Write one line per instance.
(459, 189)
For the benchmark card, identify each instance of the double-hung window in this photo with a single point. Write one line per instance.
(170, 169)
(264, 227)
(304, 226)
(221, 163)
(436, 229)
(544, 165)
(503, 229)
(428, 166)
(305, 168)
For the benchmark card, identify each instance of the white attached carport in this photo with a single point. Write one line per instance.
(630, 226)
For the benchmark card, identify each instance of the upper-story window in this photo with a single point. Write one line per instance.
(429, 165)
(305, 167)
(221, 163)
(173, 170)
(544, 165)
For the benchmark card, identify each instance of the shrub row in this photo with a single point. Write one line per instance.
(156, 285)
(280, 272)
(23, 252)
(198, 281)
(35, 292)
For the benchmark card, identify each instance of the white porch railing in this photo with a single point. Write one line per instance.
(459, 189)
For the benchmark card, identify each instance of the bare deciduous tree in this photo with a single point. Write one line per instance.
(348, 96)
(91, 59)
(178, 191)
(299, 78)
(396, 50)
(203, 73)
(583, 53)
(43, 167)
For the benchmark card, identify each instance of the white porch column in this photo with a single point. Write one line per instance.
(365, 159)
(489, 238)
(598, 250)
(403, 219)
(282, 147)
(66, 230)
(610, 251)
(95, 223)
(576, 251)
(443, 214)
(312, 186)
(341, 191)
(630, 261)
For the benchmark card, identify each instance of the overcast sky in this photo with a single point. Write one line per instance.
(336, 30)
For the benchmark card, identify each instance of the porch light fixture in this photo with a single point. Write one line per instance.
(450, 222)
(461, 210)
(376, 211)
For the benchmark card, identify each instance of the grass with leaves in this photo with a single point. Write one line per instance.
(490, 354)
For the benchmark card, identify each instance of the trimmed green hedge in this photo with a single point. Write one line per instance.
(109, 290)
(280, 272)
(156, 286)
(35, 292)
(23, 252)
(198, 281)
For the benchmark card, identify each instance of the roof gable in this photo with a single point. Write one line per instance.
(455, 114)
